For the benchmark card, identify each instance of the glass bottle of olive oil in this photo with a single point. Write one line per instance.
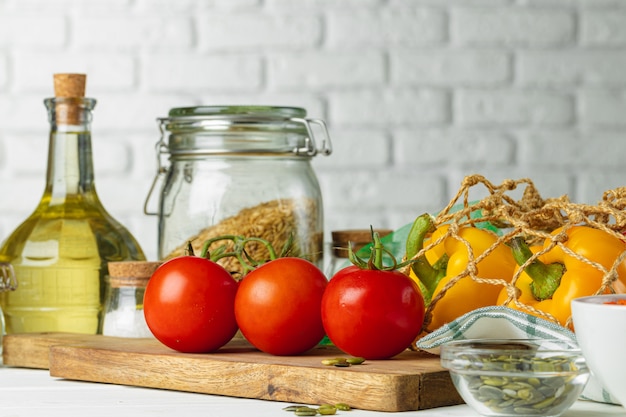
(60, 253)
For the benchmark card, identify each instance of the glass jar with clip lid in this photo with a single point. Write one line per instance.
(239, 170)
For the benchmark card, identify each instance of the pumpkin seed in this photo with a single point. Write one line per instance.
(306, 411)
(343, 362)
(333, 361)
(490, 392)
(495, 382)
(323, 409)
(327, 410)
(342, 407)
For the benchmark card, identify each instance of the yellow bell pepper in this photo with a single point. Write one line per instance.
(448, 260)
(555, 278)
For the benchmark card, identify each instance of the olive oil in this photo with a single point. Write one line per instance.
(60, 252)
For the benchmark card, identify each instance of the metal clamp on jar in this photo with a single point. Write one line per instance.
(239, 170)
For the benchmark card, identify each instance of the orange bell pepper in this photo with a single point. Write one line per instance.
(555, 278)
(449, 260)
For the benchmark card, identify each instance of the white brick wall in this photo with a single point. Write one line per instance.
(512, 27)
(417, 93)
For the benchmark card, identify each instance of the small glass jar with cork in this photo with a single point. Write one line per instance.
(123, 305)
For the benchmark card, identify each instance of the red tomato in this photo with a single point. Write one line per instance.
(278, 306)
(189, 305)
(373, 314)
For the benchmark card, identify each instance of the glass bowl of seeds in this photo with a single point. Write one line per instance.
(509, 377)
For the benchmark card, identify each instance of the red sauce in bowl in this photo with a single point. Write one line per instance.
(617, 302)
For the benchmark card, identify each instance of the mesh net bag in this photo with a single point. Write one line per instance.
(546, 225)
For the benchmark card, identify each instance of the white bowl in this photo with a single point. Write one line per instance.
(601, 333)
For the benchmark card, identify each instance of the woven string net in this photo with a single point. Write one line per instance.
(531, 217)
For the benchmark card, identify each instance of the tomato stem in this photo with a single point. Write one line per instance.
(264, 242)
(205, 248)
(189, 250)
(239, 252)
(287, 246)
(376, 258)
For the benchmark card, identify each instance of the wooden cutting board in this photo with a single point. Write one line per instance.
(409, 381)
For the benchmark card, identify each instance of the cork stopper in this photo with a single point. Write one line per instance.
(131, 273)
(69, 86)
(356, 238)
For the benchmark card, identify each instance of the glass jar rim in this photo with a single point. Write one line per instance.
(242, 130)
(238, 111)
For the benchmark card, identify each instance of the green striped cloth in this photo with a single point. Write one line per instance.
(496, 322)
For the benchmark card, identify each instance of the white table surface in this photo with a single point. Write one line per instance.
(32, 393)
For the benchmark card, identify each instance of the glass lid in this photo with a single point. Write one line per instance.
(259, 111)
(243, 130)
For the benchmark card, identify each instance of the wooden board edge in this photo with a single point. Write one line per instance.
(377, 392)
(25, 351)
(32, 350)
(442, 391)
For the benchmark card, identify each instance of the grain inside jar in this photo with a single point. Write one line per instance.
(273, 221)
